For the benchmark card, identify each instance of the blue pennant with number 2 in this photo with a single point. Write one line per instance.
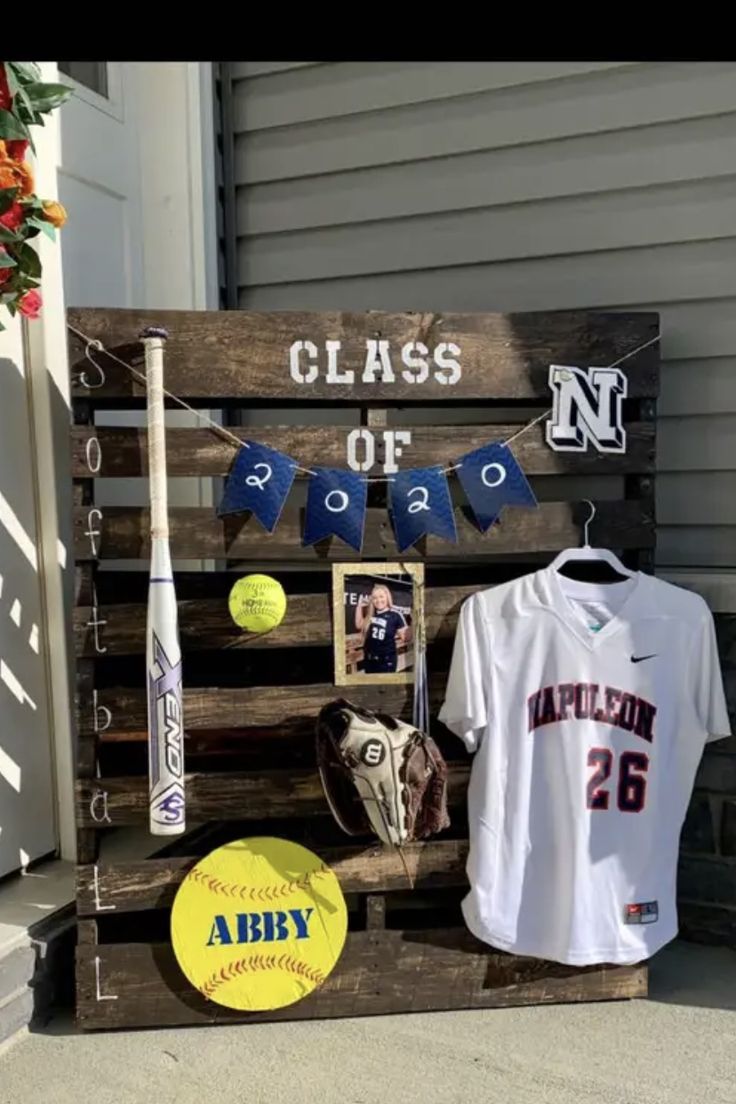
(259, 481)
(421, 504)
(491, 478)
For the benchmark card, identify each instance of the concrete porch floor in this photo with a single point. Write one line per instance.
(677, 1047)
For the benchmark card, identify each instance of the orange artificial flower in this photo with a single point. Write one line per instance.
(54, 212)
(3, 150)
(16, 175)
(25, 175)
(8, 178)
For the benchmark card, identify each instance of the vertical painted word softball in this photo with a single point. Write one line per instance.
(420, 502)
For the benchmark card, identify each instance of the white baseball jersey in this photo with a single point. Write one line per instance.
(588, 707)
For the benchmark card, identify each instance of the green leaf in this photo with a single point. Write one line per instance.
(12, 77)
(25, 71)
(7, 198)
(29, 260)
(46, 97)
(6, 261)
(8, 235)
(12, 127)
(44, 226)
(21, 97)
(23, 115)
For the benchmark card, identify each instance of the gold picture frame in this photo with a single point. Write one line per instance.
(393, 658)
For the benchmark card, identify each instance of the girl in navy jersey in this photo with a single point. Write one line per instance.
(382, 627)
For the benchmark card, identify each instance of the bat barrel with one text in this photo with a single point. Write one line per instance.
(163, 654)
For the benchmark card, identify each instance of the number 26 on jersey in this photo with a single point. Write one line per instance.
(629, 779)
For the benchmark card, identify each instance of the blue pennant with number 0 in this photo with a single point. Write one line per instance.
(259, 481)
(492, 478)
(421, 504)
(336, 502)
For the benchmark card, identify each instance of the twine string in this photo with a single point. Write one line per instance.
(238, 443)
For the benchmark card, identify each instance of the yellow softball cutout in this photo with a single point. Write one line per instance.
(258, 924)
(257, 603)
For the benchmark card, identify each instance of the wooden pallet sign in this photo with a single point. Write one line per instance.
(374, 393)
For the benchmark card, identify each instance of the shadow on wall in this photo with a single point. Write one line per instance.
(27, 828)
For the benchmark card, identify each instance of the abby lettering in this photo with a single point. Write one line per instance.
(259, 927)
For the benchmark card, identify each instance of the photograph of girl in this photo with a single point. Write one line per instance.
(382, 626)
(376, 608)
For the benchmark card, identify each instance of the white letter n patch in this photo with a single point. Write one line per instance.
(587, 408)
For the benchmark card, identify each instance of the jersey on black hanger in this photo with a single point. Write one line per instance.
(588, 707)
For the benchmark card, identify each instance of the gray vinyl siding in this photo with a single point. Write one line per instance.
(514, 186)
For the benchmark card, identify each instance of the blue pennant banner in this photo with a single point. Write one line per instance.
(420, 504)
(336, 502)
(259, 481)
(491, 478)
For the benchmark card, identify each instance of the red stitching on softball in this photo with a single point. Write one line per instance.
(259, 962)
(269, 893)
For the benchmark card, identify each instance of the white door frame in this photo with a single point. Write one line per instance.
(48, 369)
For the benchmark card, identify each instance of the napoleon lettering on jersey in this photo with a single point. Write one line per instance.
(588, 728)
(587, 701)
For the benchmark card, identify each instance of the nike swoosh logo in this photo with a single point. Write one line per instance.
(640, 659)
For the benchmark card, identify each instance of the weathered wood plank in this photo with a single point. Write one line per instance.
(87, 932)
(206, 624)
(237, 795)
(375, 912)
(152, 883)
(245, 354)
(112, 451)
(269, 706)
(409, 972)
(87, 742)
(123, 533)
(247, 706)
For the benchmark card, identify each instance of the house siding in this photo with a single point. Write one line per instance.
(513, 186)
